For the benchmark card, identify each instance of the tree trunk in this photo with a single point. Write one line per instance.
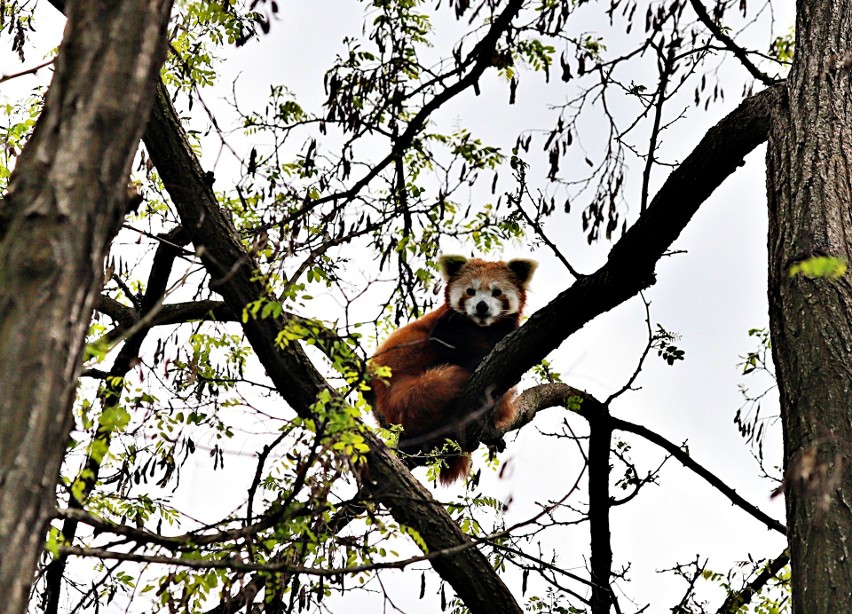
(809, 179)
(65, 202)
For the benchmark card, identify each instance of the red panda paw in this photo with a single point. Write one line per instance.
(504, 415)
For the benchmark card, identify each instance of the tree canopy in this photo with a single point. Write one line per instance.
(302, 168)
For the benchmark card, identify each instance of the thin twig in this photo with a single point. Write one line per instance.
(740, 53)
(551, 395)
(666, 70)
(28, 71)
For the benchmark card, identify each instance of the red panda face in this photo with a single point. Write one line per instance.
(486, 291)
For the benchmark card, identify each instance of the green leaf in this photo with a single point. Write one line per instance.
(272, 309)
(114, 418)
(819, 267)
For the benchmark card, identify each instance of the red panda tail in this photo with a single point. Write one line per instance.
(455, 467)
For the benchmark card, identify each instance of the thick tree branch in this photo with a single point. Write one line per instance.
(169, 313)
(631, 263)
(600, 502)
(232, 271)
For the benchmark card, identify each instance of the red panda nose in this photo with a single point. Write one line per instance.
(481, 308)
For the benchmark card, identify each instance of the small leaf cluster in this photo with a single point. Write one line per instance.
(663, 342)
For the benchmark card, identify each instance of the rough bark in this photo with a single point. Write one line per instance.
(233, 275)
(809, 180)
(64, 203)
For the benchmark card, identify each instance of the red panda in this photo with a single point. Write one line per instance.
(432, 358)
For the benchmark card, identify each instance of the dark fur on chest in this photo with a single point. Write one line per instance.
(457, 340)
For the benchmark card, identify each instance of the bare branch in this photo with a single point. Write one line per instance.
(735, 601)
(236, 564)
(740, 53)
(28, 71)
(542, 397)
(680, 454)
(483, 58)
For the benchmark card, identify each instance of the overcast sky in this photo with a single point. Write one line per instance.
(712, 295)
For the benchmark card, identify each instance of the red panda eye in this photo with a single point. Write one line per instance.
(496, 292)
(471, 291)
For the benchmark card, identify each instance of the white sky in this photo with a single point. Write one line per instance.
(711, 295)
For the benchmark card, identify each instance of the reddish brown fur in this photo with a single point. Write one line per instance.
(456, 467)
(424, 383)
(420, 386)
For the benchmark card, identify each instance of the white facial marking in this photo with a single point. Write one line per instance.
(455, 296)
(475, 298)
(483, 307)
(514, 300)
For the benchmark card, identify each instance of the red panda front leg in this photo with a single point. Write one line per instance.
(506, 410)
(419, 402)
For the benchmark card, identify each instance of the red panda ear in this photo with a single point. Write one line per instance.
(523, 268)
(451, 265)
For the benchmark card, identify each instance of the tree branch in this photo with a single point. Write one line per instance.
(631, 263)
(232, 270)
(735, 601)
(740, 53)
(32, 70)
(600, 442)
(544, 396)
(170, 313)
(110, 396)
(237, 564)
(483, 55)
(709, 477)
